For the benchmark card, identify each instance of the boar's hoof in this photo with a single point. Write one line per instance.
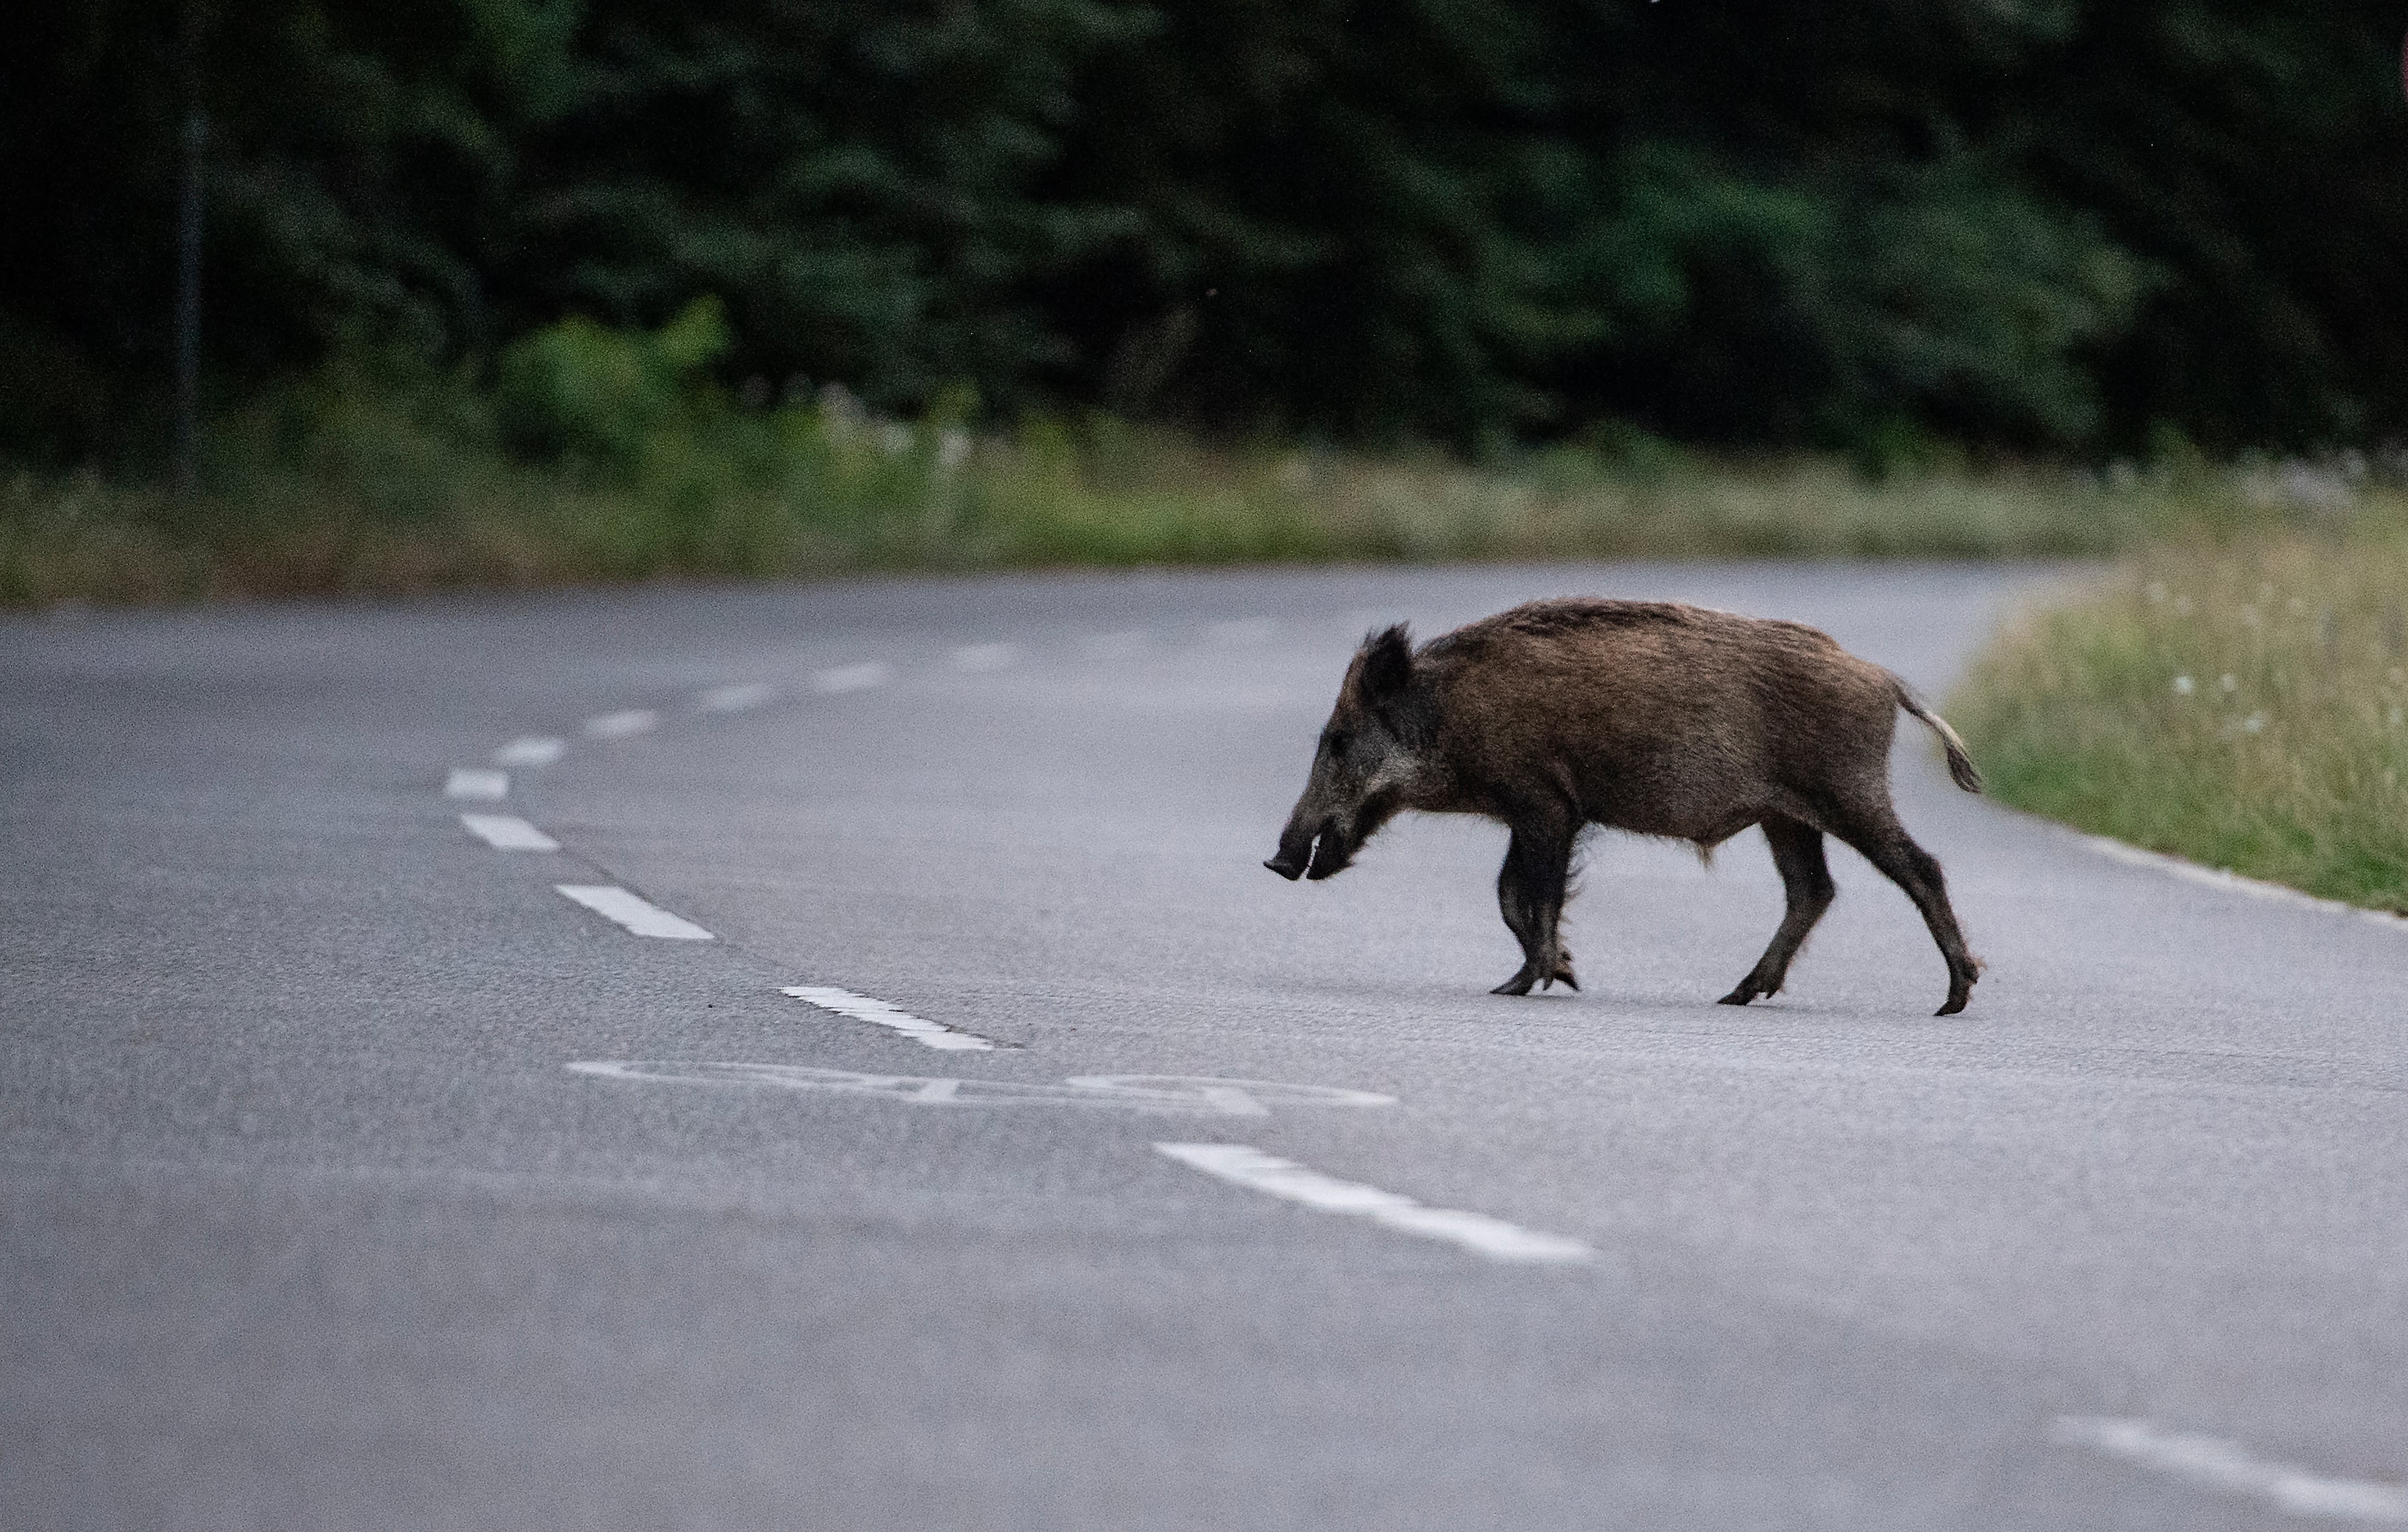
(1960, 989)
(1519, 984)
(1528, 975)
(1748, 989)
(1563, 970)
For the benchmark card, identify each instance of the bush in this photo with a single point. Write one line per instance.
(578, 395)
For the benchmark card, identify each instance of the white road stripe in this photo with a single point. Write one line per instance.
(508, 833)
(861, 1008)
(622, 725)
(477, 782)
(641, 916)
(2233, 882)
(736, 696)
(851, 678)
(1130, 1093)
(533, 750)
(984, 656)
(2217, 1464)
(1491, 1236)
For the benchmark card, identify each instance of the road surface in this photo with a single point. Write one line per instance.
(353, 1175)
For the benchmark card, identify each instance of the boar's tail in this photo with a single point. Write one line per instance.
(1961, 769)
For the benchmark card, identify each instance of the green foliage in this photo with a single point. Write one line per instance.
(1860, 309)
(575, 392)
(1873, 229)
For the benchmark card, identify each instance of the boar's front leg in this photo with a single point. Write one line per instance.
(1530, 895)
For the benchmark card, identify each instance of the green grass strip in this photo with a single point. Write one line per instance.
(2243, 705)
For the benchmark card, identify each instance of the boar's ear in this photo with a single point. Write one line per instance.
(1387, 665)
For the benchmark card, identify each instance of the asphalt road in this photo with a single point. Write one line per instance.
(306, 1221)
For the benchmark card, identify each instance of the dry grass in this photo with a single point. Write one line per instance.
(2245, 706)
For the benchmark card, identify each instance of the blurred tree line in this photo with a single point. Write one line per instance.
(2037, 224)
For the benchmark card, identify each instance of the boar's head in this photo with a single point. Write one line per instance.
(1365, 764)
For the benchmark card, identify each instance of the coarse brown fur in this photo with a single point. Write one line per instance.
(1646, 716)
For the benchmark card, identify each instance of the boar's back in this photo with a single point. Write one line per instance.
(1657, 717)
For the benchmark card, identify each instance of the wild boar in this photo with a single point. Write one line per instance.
(1645, 716)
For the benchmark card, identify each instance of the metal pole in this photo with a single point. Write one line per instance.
(188, 261)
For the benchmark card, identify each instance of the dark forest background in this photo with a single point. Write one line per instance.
(2043, 227)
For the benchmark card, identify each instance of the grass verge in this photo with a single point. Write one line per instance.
(582, 453)
(2243, 705)
(376, 500)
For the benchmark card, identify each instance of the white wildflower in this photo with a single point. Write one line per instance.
(841, 410)
(2254, 723)
(2230, 684)
(2305, 485)
(2182, 686)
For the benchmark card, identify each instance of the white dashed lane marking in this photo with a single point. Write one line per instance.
(1250, 1168)
(508, 833)
(861, 1008)
(1207, 1096)
(984, 656)
(642, 916)
(622, 725)
(2212, 1463)
(851, 678)
(477, 782)
(532, 751)
(735, 697)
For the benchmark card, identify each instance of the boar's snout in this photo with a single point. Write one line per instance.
(1313, 852)
(1296, 852)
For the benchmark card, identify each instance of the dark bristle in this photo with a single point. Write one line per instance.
(1547, 619)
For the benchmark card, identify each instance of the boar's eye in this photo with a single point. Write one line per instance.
(1338, 741)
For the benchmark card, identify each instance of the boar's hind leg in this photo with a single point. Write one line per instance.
(1798, 852)
(1887, 845)
(1530, 895)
